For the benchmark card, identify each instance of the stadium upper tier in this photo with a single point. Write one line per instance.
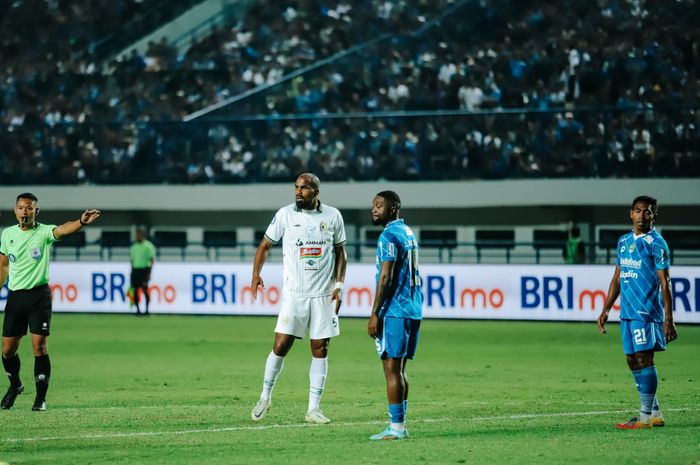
(522, 89)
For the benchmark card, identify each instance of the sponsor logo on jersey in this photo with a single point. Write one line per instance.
(310, 230)
(299, 242)
(310, 252)
(628, 274)
(622, 249)
(631, 263)
(312, 242)
(12, 258)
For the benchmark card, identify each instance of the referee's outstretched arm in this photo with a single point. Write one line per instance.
(68, 228)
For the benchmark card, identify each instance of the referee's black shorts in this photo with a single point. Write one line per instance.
(140, 277)
(28, 308)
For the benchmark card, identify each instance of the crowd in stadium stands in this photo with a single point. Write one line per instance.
(530, 78)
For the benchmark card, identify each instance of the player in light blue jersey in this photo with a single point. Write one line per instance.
(642, 280)
(397, 308)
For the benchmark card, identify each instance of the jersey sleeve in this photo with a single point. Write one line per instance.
(660, 252)
(275, 230)
(339, 231)
(48, 233)
(3, 248)
(386, 249)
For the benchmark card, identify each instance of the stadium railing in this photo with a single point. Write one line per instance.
(173, 247)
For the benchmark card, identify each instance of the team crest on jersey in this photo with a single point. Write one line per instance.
(323, 226)
(632, 247)
(35, 253)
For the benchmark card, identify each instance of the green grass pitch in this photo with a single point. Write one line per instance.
(179, 390)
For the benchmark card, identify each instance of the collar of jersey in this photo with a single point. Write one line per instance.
(642, 235)
(36, 225)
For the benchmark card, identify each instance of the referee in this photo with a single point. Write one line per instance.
(24, 257)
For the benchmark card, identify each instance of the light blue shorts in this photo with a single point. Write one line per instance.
(399, 338)
(641, 336)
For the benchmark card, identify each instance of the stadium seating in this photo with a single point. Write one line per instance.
(584, 108)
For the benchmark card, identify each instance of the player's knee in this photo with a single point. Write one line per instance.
(9, 352)
(40, 348)
(319, 348)
(281, 349)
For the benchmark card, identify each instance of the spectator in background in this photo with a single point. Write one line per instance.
(575, 249)
(142, 255)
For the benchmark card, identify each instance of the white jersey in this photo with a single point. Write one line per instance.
(308, 238)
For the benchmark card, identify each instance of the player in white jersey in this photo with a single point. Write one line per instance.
(314, 261)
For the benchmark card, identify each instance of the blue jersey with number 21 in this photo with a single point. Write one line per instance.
(397, 243)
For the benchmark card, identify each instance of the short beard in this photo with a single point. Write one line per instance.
(304, 204)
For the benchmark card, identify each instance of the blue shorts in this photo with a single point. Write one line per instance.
(641, 336)
(399, 338)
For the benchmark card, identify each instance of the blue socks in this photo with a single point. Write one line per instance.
(647, 381)
(397, 412)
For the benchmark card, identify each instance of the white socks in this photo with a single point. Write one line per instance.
(273, 367)
(317, 380)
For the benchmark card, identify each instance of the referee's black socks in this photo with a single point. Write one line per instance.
(42, 373)
(12, 366)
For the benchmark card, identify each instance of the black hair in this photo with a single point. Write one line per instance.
(653, 203)
(392, 197)
(27, 195)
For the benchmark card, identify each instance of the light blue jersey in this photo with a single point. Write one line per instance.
(397, 243)
(640, 290)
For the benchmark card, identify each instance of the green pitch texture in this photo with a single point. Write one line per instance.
(179, 390)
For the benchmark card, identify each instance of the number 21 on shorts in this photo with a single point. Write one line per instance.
(640, 336)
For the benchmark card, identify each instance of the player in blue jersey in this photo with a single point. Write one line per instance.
(642, 280)
(397, 308)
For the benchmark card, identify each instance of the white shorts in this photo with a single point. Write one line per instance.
(316, 313)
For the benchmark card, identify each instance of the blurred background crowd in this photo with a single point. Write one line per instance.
(361, 90)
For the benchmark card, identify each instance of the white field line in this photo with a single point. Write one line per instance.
(565, 414)
(218, 406)
(304, 425)
(204, 430)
